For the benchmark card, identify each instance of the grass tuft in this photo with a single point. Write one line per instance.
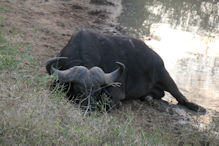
(2, 9)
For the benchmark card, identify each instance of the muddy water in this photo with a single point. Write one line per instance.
(186, 35)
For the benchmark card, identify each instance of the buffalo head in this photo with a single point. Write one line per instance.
(86, 83)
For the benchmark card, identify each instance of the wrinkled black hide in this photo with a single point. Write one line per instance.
(145, 73)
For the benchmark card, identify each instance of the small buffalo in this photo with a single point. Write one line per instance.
(91, 63)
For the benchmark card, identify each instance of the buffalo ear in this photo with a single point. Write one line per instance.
(115, 75)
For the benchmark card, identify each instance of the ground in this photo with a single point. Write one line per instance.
(43, 27)
(48, 25)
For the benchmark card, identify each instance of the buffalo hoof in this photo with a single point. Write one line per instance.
(149, 100)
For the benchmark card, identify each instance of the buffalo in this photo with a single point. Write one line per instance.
(91, 63)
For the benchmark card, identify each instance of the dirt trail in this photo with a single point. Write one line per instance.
(47, 25)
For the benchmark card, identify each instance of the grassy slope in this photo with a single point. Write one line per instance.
(30, 114)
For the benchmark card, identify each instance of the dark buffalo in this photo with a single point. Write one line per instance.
(91, 62)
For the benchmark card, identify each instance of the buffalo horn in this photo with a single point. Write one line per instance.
(52, 61)
(74, 74)
(115, 75)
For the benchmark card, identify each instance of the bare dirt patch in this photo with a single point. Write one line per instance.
(48, 24)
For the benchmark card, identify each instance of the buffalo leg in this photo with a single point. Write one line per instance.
(170, 86)
(156, 92)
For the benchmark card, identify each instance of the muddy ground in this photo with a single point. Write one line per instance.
(48, 25)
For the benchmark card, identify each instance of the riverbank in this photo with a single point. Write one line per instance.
(34, 31)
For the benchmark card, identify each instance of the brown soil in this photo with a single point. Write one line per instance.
(48, 25)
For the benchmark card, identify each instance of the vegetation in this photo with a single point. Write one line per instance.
(31, 114)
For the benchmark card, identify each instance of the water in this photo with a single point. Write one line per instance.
(185, 33)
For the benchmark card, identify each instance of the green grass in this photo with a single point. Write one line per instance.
(8, 55)
(30, 114)
(2, 9)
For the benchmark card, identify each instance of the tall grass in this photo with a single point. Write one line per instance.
(30, 114)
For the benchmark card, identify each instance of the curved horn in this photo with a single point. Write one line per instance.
(75, 74)
(115, 75)
(52, 61)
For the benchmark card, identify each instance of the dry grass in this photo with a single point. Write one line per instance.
(31, 115)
